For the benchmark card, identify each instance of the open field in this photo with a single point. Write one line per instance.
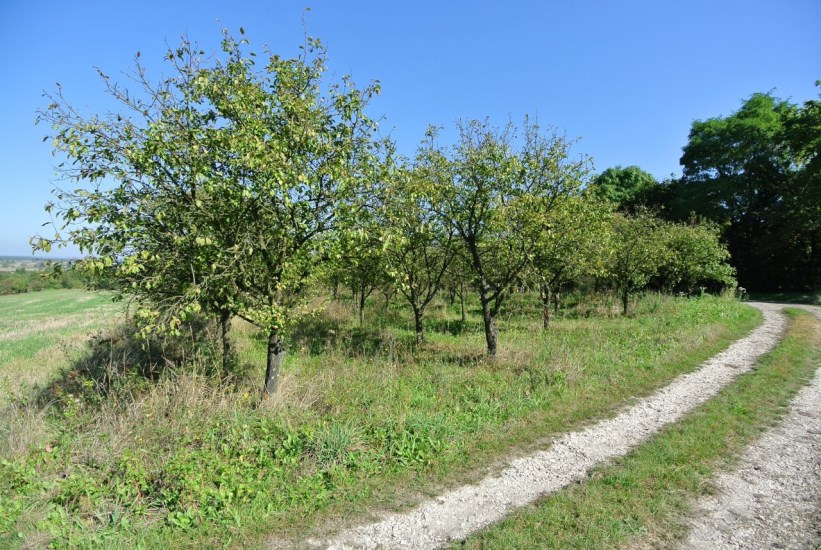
(124, 455)
(40, 333)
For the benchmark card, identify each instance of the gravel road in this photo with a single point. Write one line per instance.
(457, 513)
(773, 497)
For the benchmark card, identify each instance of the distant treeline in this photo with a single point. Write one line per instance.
(756, 174)
(23, 280)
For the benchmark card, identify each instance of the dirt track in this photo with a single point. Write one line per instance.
(773, 497)
(464, 510)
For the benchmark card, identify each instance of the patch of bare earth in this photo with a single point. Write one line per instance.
(459, 512)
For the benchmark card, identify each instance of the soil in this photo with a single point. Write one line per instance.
(459, 512)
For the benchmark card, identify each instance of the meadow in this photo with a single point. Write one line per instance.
(105, 441)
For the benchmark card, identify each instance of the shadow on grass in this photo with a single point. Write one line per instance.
(318, 336)
(118, 363)
(810, 298)
(453, 327)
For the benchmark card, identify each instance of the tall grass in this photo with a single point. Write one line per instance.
(132, 449)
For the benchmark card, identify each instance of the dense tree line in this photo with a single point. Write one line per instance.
(756, 174)
(234, 187)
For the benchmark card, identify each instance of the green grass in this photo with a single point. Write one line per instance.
(361, 420)
(643, 498)
(40, 331)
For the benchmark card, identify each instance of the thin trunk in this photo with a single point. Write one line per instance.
(452, 296)
(491, 333)
(225, 326)
(354, 297)
(417, 318)
(388, 296)
(546, 305)
(362, 297)
(276, 354)
(625, 296)
(336, 290)
(462, 292)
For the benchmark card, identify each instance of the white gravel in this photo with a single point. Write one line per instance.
(456, 514)
(773, 498)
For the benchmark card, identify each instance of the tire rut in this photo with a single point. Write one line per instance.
(772, 498)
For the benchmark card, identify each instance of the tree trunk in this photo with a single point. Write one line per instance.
(546, 305)
(362, 297)
(225, 326)
(276, 354)
(354, 298)
(491, 333)
(336, 290)
(417, 318)
(625, 296)
(462, 292)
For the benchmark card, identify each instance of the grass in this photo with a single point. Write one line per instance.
(161, 455)
(39, 332)
(643, 498)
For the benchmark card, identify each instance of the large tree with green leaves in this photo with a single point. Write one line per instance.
(740, 173)
(573, 243)
(496, 181)
(418, 246)
(626, 187)
(220, 185)
(803, 137)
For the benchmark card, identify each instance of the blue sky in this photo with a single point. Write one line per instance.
(627, 78)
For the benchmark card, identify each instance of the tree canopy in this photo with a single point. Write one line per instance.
(500, 186)
(754, 172)
(214, 189)
(626, 187)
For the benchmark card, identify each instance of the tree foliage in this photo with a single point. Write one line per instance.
(215, 190)
(496, 184)
(573, 243)
(752, 173)
(636, 254)
(418, 246)
(626, 187)
(696, 258)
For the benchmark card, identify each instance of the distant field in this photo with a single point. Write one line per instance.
(39, 331)
(13, 263)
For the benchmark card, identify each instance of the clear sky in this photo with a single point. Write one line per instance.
(626, 77)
